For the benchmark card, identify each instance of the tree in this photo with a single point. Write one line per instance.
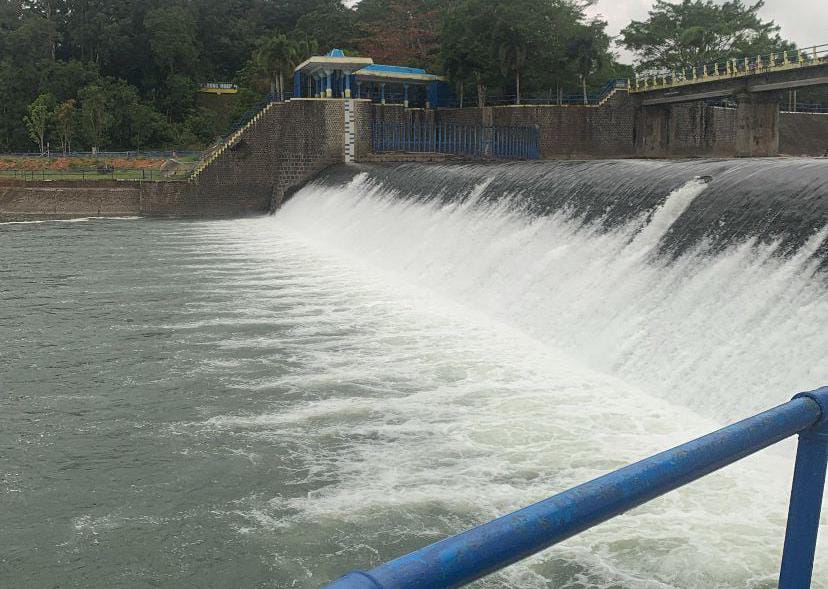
(589, 50)
(512, 51)
(172, 39)
(95, 116)
(405, 32)
(330, 24)
(275, 57)
(466, 47)
(65, 117)
(536, 43)
(38, 119)
(696, 32)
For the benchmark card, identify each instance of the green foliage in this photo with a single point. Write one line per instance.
(133, 67)
(65, 118)
(95, 116)
(536, 44)
(172, 39)
(695, 32)
(331, 25)
(40, 116)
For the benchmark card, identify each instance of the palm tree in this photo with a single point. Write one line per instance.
(589, 55)
(275, 56)
(512, 54)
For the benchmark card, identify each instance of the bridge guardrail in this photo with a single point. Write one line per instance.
(731, 68)
(478, 552)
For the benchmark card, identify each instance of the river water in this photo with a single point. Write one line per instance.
(270, 402)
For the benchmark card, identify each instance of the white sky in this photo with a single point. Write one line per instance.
(805, 22)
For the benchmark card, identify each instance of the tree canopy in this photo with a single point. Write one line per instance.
(695, 32)
(124, 74)
(534, 46)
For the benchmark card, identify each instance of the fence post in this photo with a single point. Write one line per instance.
(806, 500)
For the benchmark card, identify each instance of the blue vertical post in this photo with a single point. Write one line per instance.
(328, 86)
(405, 95)
(297, 85)
(347, 85)
(806, 500)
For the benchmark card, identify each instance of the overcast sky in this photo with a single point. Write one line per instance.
(804, 22)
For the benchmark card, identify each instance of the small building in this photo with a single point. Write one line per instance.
(336, 75)
(219, 88)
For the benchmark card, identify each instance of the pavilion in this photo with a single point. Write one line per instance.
(336, 75)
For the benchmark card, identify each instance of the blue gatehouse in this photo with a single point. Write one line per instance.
(336, 75)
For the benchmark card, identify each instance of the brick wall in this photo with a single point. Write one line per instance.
(803, 133)
(287, 146)
(615, 129)
(688, 129)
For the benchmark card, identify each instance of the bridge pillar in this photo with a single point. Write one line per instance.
(652, 131)
(757, 124)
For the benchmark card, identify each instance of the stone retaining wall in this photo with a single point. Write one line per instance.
(21, 200)
(615, 129)
(566, 132)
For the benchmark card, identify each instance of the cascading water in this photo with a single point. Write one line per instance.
(724, 316)
(697, 288)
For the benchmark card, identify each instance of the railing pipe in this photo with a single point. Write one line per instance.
(461, 559)
(806, 502)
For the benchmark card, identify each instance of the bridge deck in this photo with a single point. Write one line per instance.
(769, 73)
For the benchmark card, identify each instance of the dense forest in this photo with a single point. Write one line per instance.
(124, 74)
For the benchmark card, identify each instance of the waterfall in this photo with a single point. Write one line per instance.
(690, 287)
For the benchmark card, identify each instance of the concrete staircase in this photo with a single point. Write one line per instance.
(232, 140)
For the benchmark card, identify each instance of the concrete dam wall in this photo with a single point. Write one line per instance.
(287, 144)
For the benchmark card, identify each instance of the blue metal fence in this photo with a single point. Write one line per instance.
(461, 559)
(478, 142)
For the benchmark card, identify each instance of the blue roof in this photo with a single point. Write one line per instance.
(336, 53)
(397, 69)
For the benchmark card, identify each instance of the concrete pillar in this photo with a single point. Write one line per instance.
(652, 131)
(347, 84)
(757, 124)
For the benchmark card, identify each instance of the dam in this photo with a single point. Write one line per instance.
(403, 351)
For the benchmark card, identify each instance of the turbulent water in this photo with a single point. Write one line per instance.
(400, 353)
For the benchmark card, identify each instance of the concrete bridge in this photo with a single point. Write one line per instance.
(754, 84)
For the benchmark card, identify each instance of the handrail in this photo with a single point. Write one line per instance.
(473, 554)
(735, 67)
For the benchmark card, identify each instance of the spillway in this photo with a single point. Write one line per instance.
(403, 351)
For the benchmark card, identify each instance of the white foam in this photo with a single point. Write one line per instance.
(454, 362)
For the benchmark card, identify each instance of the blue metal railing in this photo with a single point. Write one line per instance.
(461, 559)
(473, 141)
